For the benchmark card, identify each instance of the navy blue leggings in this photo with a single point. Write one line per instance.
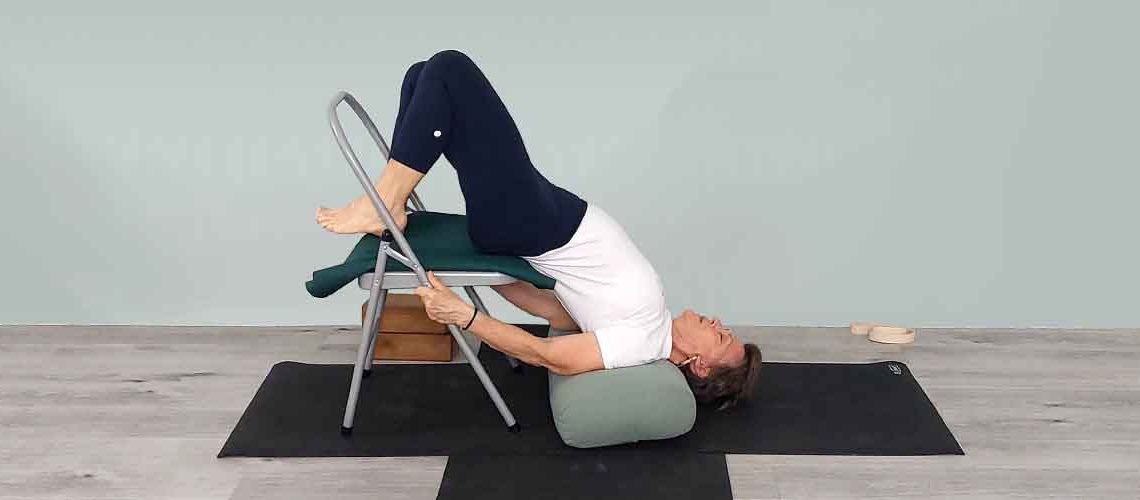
(448, 107)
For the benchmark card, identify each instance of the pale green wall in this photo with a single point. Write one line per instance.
(929, 163)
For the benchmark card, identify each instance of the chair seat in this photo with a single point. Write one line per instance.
(394, 280)
(440, 241)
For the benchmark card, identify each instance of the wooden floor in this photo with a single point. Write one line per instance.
(140, 412)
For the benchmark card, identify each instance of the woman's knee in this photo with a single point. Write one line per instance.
(450, 62)
(451, 57)
(413, 74)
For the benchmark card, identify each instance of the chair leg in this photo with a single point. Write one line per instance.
(488, 385)
(478, 302)
(375, 329)
(367, 333)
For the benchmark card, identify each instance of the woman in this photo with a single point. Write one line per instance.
(605, 288)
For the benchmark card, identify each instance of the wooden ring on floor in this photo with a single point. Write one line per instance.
(891, 335)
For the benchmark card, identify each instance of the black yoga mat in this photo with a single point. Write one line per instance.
(423, 410)
(656, 476)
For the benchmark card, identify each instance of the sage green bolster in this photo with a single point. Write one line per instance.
(622, 405)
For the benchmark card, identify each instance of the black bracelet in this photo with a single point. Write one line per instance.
(472, 319)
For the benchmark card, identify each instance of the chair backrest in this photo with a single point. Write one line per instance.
(366, 183)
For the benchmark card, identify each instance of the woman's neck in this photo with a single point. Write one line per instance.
(676, 354)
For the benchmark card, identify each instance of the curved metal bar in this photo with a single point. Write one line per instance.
(362, 176)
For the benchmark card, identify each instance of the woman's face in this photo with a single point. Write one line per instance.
(709, 340)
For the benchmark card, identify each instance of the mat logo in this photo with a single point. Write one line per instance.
(895, 369)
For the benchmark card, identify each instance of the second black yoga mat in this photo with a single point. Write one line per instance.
(422, 410)
(625, 476)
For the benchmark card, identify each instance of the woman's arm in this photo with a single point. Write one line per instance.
(538, 302)
(563, 355)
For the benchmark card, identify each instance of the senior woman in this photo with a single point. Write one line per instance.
(605, 288)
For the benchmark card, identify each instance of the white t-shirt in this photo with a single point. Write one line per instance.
(609, 288)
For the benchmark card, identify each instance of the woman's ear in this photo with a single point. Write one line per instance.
(699, 367)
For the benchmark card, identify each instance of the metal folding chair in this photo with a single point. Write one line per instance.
(380, 281)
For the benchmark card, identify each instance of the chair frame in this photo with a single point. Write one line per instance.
(379, 281)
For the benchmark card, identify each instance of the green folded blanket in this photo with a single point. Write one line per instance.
(440, 241)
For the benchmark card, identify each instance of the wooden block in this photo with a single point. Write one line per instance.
(404, 313)
(413, 347)
(406, 332)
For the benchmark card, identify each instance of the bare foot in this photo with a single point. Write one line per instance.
(359, 216)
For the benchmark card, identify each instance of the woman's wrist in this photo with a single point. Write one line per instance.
(465, 323)
(461, 318)
(480, 318)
